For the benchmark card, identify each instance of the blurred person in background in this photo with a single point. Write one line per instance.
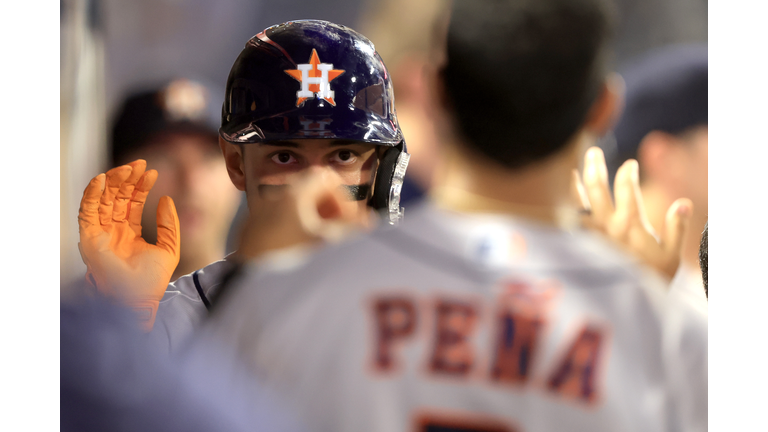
(486, 309)
(174, 129)
(664, 127)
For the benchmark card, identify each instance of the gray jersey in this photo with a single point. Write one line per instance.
(689, 287)
(185, 304)
(471, 322)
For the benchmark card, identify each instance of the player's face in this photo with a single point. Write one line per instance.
(270, 167)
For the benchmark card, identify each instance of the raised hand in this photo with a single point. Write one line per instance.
(311, 211)
(626, 222)
(120, 262)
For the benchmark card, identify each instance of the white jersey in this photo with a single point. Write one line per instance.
(475, 322)
(185, 304)
(689, 287)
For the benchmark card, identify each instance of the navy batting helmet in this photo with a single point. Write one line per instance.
(312, 79)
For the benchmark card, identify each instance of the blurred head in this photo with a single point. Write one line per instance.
(312, 97)
(523, 77)
(171, 129)
(664, 125)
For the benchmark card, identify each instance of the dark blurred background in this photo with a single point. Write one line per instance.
(112, 49)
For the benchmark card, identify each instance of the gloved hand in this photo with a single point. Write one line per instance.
(120, 262)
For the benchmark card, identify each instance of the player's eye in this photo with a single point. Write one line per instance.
(283, 158)
(344, 157)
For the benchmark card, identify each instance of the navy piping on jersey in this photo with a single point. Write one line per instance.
(226, 285)
(199, 288)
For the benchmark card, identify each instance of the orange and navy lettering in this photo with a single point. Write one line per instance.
(395, 319)
(518, 331)
(521, 318)
(452, 353)
(575, 376)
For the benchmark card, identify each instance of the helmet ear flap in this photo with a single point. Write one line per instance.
(383, 183)
(389, 183)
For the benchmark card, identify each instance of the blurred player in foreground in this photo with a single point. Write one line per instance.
(303, 98)
(482, 311)
(664, 127)
(174, 129)
(112, 379)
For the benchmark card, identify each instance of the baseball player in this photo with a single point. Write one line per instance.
(303, 98)
(485, 310)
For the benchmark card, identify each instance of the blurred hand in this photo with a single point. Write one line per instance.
(626, 222)
(312, 211)
(121, 264)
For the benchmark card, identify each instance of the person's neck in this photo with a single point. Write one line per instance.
(474, 184)
(657, 201)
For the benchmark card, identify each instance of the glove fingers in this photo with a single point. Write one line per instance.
(643, 215)
(578, 193)
(596, 184)
(626, 190)
(168, 237)
(115, 177)
(676, 225)
(580, 199)
(88, 215)
(138, 198)
(123, 196)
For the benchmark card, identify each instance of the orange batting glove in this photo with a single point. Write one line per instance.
(121, 264)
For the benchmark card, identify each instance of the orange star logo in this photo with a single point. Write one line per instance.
(315, 78)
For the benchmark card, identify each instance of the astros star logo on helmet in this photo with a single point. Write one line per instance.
(315, 79)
